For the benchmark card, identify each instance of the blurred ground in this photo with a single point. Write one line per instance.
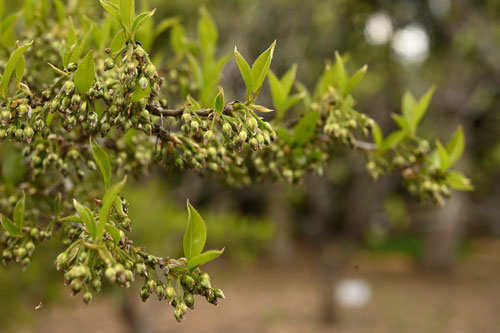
(278, 298)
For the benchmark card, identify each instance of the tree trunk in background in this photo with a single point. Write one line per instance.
(443, 235)
(279, 210)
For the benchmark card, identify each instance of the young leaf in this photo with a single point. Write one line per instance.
(114, 233)
(112, 9)
(195, 235)
(84, 74)
(9, 226)
(118, 41)
(20, 68)
(455, 147)
(355, 79)
(219, 102)
(245, 71)
(107, 202)
(284, 135)
(72, 219)
(88, 219)
(288, 79)
(408, 103)
(203, 258)
(261, 66)
(340, 73)
(11, 64)
(127, 12)
(378, 136)
(140, 19)
(393, 139)
(261, 108)
(102, 160)
(207, 32)
(277, 92)
(420, 108)
(19, 212)
(444, 163)
(305, 128)
(458, 181)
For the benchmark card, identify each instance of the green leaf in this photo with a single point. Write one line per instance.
(207, 32)
(193, 102)
(85, 74)
(107, 203)
(408, 103)
(195, 235)
(61, 11)
(19, 212)
(11, 64)
(378, 136)
(9, 226)
(393, 139)
(112, 9)
(20, 68)
(277, 93)
(294, 99)
(219, 102)
(340, 73)
(455, 147)
(203, 258)
(284, 135)
(102, 160)
(420, 109)
(114, 233)
(140, 19)
(288, 79)
(139, 93)
(305, 128)
(127, 12)
(245, 71)
(444, 163)
(118, 41)
(72, 219)
(261, 66)
(355, 79)
(87, 218)
(458, 181)
(67, 55)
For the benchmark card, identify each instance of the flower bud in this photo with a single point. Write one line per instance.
(22, 109)
(6, 255)
(251, 123)
(76, 286)
(186, 117)
(189, 300)
(68, 87)
(151, 284)
(178, 314)
(87, 297)
(195, 126)
(143, 83)
(151, 71)
(144, 294)
(76, 99)
(187, 282)
(110, 274)
(219, 294)
(169, 293)
(253, 143)
(28, 134)
(226, 128)
(243, 136)
(109, 63)
(205, 280)
(96, 284)
(160, 291)
(30, 247)
(19, 253)
(208, 137)
(72, 67)
(139, 51)
(210, 297)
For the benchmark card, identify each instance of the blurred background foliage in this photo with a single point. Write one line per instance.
(407, 45)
